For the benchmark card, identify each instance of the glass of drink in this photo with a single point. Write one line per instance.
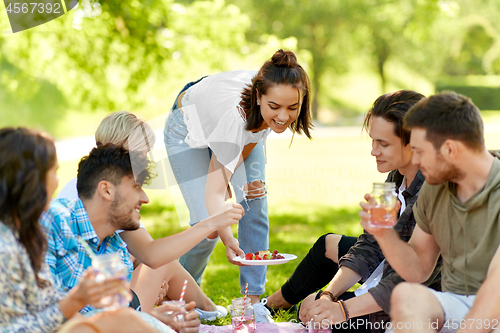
(109, 265)
(242, 316)
(179, 317)
(383, 201)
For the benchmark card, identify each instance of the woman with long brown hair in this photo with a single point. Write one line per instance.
(215, 134)
(29, 298)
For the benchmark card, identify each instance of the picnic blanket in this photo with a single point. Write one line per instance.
(260, 328)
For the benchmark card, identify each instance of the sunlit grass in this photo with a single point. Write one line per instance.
(292, 232)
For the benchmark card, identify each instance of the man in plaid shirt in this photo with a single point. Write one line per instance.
(111, 200)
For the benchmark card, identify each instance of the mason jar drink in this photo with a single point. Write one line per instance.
(242, 316)
(179, 317)
(110, 265)
(383, 201)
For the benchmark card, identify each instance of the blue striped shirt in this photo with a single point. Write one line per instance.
(65, 222)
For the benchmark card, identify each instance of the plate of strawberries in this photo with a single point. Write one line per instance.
(267, 257)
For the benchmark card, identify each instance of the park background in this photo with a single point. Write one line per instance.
(136, 56)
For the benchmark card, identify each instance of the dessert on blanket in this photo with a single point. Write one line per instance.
(264, 255)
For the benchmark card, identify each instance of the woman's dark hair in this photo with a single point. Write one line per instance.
(281, 69)
(25, 158)
(393, 107)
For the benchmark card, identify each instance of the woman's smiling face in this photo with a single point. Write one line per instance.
(280, 106)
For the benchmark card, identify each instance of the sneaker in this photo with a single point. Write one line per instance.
(274, 312)
(212, 315)
(262, 314)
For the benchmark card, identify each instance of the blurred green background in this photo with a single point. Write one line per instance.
(137, 54)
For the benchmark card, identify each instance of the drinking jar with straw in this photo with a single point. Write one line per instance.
(242, 315)
(179, 317)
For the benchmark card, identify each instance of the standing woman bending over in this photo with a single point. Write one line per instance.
(215, 133)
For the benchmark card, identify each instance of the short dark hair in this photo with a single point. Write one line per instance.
(26, 156)
(448, 115)
(283, 68)
(110, 163)
(392, 107)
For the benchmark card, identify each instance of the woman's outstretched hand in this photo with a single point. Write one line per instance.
(233, 250)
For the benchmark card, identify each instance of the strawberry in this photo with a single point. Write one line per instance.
(249, 256)
(257, 257)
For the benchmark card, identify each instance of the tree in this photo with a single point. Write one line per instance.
(400, 31)
(476, 39)
(320, 27)
(338, 32)
(130, 55)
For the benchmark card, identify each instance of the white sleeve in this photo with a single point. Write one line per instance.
(69, 191)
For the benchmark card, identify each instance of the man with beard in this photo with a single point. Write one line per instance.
(457, 215)
(110, 199)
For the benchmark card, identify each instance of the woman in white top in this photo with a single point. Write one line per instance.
(215, 133)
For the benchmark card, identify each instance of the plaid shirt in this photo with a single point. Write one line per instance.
(65, 222)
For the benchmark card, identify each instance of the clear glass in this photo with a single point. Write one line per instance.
(179, 317)
(110, 265)
(383, 201)
(242, 315)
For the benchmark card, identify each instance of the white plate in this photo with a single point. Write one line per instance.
(287, 258)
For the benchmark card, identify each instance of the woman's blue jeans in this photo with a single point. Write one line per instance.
(190, 168)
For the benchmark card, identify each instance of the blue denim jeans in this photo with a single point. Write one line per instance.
(190, 168)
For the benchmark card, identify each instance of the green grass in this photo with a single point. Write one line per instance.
(291, 232)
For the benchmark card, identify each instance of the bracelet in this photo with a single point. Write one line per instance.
(329, 293)
(343, 309)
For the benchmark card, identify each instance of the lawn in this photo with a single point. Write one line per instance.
(314, 188)
(291, 232)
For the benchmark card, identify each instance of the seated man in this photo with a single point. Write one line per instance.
(153, 265)
(457, 215)
(346, 260)
(110, 200)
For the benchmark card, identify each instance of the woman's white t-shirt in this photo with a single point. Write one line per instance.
(214, 118)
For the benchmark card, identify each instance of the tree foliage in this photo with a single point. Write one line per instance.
(127, 58)
(137, 54)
